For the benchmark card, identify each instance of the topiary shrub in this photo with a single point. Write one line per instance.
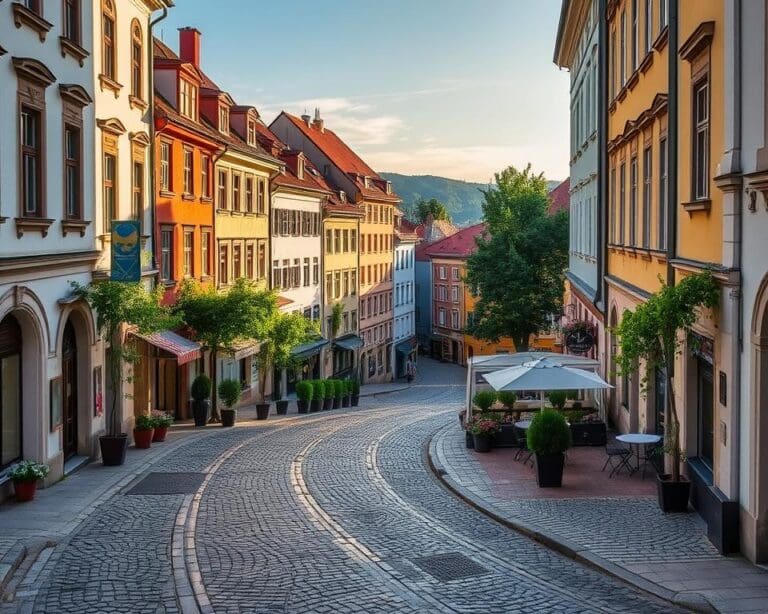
(201, 388)
(548, 434)
(355, 386)
(229, 392)
(340, 388)
(329, 390)
(507, 398)
(318, 389)
(304, 390)
(558, 398)
(484, 399)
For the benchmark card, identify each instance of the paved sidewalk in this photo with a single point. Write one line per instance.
(626, 536)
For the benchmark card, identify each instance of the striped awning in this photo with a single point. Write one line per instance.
(183, 349)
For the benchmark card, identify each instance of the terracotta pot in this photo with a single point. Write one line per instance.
(25, 490)
(160, 433)
(143, 439)
(113, 449)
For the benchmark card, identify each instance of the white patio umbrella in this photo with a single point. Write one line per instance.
(545, 374)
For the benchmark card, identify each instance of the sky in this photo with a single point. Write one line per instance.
(456, 88)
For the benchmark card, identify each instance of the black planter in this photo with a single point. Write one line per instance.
(673, 496)
(200, 411)
(336, 402)
(355, 400)
(262, 411)
(345, 401)
(228, 417)
(483, 443)
(113, 449)
(470, 439)
(506, 437)
(588, 433)
(549, 470)
(281, 407)
(316, 405)
(327, 404)
(303, 406)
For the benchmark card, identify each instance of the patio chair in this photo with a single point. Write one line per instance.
(618, 457)
(522, 449)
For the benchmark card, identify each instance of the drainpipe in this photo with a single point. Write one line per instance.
(672, 143)
(602, 160)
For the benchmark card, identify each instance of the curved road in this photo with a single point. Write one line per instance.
(332, 512)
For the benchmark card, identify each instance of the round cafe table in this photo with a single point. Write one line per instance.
(523, 424)
(635, 440)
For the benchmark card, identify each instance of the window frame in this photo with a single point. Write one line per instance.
(661, 239)
(188, 175)
(188, 251)
(76, 37)
(633, 200)
(166, 253)
(137, 63)
(205, 252)
(647, 200)
(77, 165)
(109, 43)
(700, 177)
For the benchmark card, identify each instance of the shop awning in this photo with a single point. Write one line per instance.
(305, 350)
(183, 349)
(405, 347)
(243, 349)
(348, 342)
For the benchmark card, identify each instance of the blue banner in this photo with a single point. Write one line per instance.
(126, 250)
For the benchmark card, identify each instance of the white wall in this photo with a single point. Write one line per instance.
(404, 292)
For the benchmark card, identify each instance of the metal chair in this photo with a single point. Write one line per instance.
(618, 457)
(522, 449)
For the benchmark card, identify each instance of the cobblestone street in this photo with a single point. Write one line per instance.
(330, 512)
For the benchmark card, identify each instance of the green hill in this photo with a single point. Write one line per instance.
(463, 199)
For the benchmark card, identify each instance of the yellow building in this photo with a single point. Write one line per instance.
(480, 347)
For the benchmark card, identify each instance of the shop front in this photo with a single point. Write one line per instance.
(404, 351)
(344, 349)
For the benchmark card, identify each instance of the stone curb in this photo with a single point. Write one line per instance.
(694, 603)
(363, 393)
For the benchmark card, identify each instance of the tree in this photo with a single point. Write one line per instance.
(517, 270)
(652, 334)
(336, 314)
(221, 319)
(120, 306)
(284, 332)
(432, 207)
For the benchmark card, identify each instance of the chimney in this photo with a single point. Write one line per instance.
(306, 118)
(189, 45)
(317, 123)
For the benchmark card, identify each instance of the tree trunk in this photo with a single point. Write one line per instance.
(521, 343)
(114, 423)
(215, 417)
(672, 422)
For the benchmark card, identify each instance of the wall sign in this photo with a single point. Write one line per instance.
(126, 250)
(579, 341)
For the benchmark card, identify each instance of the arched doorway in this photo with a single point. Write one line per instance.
(757, 548)
(69, 385)
(11, 448)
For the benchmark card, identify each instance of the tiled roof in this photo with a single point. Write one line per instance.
(405, 230)
(458, 245)
(560, 197)
(164, 109)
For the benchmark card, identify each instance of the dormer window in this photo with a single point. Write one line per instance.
(251, 132)
(223, 120)
(389, 187)
(300, 167)
(188, 99)
(342, 196)
(367, 182)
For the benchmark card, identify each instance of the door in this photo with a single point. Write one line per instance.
(69, 390)
(706, 414)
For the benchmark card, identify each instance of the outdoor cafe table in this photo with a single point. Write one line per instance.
(635, 440)
(523, 424)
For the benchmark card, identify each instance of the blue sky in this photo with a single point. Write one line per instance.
(459, 88)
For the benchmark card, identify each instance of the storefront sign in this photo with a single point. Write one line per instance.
(579, 341)
(126, 251)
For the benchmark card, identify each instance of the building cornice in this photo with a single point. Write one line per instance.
(59, 260)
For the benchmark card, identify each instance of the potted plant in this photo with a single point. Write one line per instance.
(281, 404)
(483, 430)
(651, 335)
(557, 399)
(143, 431)
(346, 392)
(507, 398)
(25, 476)
(201, 399)
(329, 392)
(484, 400)
(119, 306)
(548, 438)
(229, 393)
(162, 423)
(355, 388)
(304, 391)
(318, 395)
(586, 429)
(339, 391)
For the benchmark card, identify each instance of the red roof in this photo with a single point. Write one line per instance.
(560, 197)
(458, 245)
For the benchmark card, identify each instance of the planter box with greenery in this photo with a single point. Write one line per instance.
(329, 391)
(548, 438)
(318, 395)
(143, 431)
(339, 392)
(355, 391)
(584, 431)
(484, 400)
(162, 422)
(25, 476)
(229, 393)
(483, 431)
(346, 398)
(201, 399)
(304, 390)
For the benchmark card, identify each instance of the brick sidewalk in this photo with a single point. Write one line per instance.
(623, 533)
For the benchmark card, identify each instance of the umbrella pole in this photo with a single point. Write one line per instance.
(541, 396)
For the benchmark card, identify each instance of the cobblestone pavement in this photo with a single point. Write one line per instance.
(333, 512)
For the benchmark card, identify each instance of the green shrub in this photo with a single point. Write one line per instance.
(318, 389)
(484, 399)
(201, 387)
(549, 433)
(144, 423)
(572, 395)
(558, 398)
(330, 389)
(161, 420)
(304, 390)
(507, 398)
(574, 415)
(340, 388)
(229, 392)
(28, 471)
(355, 386)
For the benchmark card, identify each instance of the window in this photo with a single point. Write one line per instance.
(443, 274)
(328, 286)
(108, 47)
(648, 25)
(205, 253)
(455, 319)
(251, 133)
(441, 316)
(306, 272)
(612, 67)
(137, 190)
(623, 50)
(236, 204)
(296, 273)
(633, 201)
(249, 194)
(345, 241)
(455, 294)
(223, 265)
(166, 254)
(137, 60)
(647, 175)
(31, 162)
(262, 268)
(662, 14)
(315, 270)
(188, 99)
(337, 284)
(662, 238)
(223, 120)
(189, 188)
(353, 282)
(205, 177)
(353, 240)
(165, 166)
(188, 252)
(613, 211)
(622, 202)
(328, 241)
(72, 172)
(345, 283)
(110, 190)
(222, 191)
(72, 21)
(700, 162)
(262, 196)
(337, 241)
(635, 36)
(455, 273)
(249, 261)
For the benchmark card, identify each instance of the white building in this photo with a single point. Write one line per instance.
(405, 345)
(49, 352)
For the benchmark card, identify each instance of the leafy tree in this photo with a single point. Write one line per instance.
(438, 210)
(120, 306)
(221, 319)
(518, 268)
(652, 334)
(336, 313)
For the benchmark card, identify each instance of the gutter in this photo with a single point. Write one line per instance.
(602, 161)
(672, 142)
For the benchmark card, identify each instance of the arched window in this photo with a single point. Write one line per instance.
(10, 391)
(108, 46)
(137, 55)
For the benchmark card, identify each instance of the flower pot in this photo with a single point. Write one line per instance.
(160, 433)
(25, 490)
(143, 439)
(262, 411)
(316, 405)
(200, 411)
(355, 400)
(327, 404)
(281, 408)
(228, 417)
(303, 406)
(482, 443)
(345, 400)
(673, 496)
(470, 439)
(113, 449)
(336, 402)
(549, 470)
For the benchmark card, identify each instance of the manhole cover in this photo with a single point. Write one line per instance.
(168, 484)
(450, 566)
